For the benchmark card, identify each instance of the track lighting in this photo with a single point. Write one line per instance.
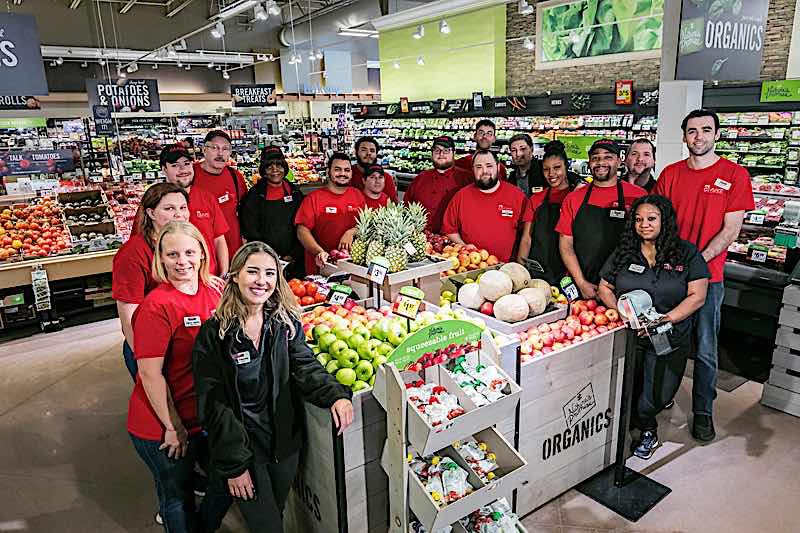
(218, 31)
(121, 73)
(101, 62)
(312, 55)
(225, 75)
(260, 12)
(527, 43)
(188, 67)
(420, 33)
(525, 8)
(180, 63)
(59, 61)
(210, 64)
(444, 27)
(421, 61)
(84, 65)
(133, 67)
(273, 9)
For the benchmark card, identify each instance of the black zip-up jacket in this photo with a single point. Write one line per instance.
(298, 376)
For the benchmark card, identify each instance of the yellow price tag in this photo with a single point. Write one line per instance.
(406, 306)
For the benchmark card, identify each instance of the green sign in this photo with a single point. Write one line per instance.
(6, 123)
(577, 147)
(435, 337)
(780, 91)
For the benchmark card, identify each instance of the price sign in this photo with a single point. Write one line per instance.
(41, 288)
(339, 294)
(569, 289)
(756, 218)
(406, 306)
(409, 248)
(376, 273)
(759, 256)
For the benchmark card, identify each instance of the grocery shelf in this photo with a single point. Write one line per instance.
(18, 273)
(761, 152)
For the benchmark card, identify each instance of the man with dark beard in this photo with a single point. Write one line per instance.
(490, 213)
(710, 195)
(435, 187)
(640, 162)
(593, 217)
(367, 149)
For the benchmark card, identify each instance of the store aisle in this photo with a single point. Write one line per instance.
(66, 464)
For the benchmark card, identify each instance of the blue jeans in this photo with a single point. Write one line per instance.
(173, 479)
(707, 320)
(130, 360)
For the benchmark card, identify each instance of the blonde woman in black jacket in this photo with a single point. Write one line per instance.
(253, 370)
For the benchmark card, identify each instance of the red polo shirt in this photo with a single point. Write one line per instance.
(434, 190)
(131, 274)
(328, 216)
(375, 203)
(601, 197)
(222, 187)
(465, 163)
(165, 325)
(389, 187)
(488, 220)
(702, 198)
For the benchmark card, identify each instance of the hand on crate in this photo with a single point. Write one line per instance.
(342, 413)
(242, 486)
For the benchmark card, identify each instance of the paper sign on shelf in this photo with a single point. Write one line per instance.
(339, 294)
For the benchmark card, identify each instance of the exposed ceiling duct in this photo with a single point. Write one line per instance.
(363, 13)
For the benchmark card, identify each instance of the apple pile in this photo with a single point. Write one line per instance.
(33, 230)
(463, 257)
(352, 343)
(587, 319)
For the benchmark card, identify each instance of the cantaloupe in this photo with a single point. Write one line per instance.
(470, 297)
(495, 284)
(539, 283)
(536, 298)
(520, 277)
(511, 308)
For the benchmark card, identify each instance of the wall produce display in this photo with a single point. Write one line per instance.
(33, 230)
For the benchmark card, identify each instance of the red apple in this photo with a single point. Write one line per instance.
(559, 323)
(591, 304)
(601, 319)
(544, 328)
(586, 317)
(558, 335)
(547, 339)
(547, 350)
(600, 309)
(487, 308)
(567, 342)
(569, 332)
(557, 346)
(602, 329)
(612, 315)
(537, 353)
(584, 328)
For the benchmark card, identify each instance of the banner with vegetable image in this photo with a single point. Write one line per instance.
(13, 163)
(442, 340)
(584, 32)
(721, 39)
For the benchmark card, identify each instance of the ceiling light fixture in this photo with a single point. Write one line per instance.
(421, 61)
(225, 75)
(319, 54)
(59, 61)
(312, 55)
(155, 66)
(273, 8)
(188, 67)
(181, 45)
(171, 52)
(218, 30)
(444, 27)
(260, 13)
(121, 73)
(133, 67)
(396, 64)
(356, 32)
(180, 64)
(234, 9)
(527, 43)
(525, 8)
(101, 61)
(84, 65)
(210, 64)
(420, 33)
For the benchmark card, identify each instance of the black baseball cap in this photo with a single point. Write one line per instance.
(606, 144)
(372, 169)
(213, 134)
(445, 141)
(172, 152)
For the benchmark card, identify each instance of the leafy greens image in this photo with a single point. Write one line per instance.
(590, 28)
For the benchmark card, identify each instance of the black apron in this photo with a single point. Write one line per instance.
(596, 232)
(544, 245)
(281, 233)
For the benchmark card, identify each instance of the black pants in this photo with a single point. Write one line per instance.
(657, 380)
(264, 514)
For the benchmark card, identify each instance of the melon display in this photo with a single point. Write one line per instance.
(539, 283)
(495, 284)
(470, 297)
(520, 277)
(511, 308)
(536, 298)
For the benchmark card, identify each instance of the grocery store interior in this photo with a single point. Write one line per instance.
(97, 88)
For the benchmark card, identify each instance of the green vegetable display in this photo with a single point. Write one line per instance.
(590, 28)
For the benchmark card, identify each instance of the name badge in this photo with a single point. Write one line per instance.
(224, 198)
(537, 189)
(638, 269)
(191, 321)
(241, 358)
(331, 210)
(616, 213)
(722, 184)
(287, 199)
(508, 213)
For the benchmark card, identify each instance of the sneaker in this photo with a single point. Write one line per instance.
(646, 445)
(159, 520)
(703, 428)
(669, 405)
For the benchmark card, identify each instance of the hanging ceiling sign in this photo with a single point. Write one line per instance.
(721, 39)
(21, 66)
(124, 95)
(19, 102)
(258, 95)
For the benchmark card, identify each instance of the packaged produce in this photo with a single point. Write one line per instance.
(496, 517)
(436, 405)
(443, 479)
(479, 458)
(482, 382)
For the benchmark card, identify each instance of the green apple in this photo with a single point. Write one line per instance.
(378, 361)
(347, 358)
(385, 349)
(342, 333)
(374, 344)
(315, 349)
(337, 347)
(363, 331)
(364, 370)
(355, 340)
(397, 332)
(325, 341)
(346, 376)
(372, 381)
(359, 385)
(365, 352)
(320, 330)
(332, 366)
(323, 358)
(381, 329)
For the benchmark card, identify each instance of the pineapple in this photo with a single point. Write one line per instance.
(397, 236)
(376, 246)
(417, 216)
(358, 250)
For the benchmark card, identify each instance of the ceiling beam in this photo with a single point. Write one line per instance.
(172, 11)
(74, 4)
(127, 7)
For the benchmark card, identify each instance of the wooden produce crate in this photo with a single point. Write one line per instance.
(782, 390)
(340, 486)
(553, 313)
(568, 417)
(424, 275)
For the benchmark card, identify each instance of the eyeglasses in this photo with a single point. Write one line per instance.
(217, 148)
(442, 151)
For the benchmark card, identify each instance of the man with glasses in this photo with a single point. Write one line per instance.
(214, 175)
(435, 187)
(484, 138)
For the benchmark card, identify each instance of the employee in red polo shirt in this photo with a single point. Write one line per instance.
(490, 213)
(710, 195)
(593, 217)
(374, 185)
(327, 217)
(224, 182)
(367, 149)
(484, 138)
(204, 210)
(435, 187)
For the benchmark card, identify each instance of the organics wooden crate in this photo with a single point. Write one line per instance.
(509, 474)
(788, 337)
(459, 528)
(568, 417)
(340, 484)
(424, 275)
(556, 312)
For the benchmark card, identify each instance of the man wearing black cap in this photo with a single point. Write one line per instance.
(374, 185)
(267, 212)
(527, 172)
(225, 183)
(593, 217)
(435, 187)
(366, 149)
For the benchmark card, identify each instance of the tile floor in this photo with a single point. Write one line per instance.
(67, 465)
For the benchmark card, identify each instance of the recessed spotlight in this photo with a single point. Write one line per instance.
(444, 27)
(527, 43)
(421, 61)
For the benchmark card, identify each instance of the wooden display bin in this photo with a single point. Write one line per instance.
(782, 391)
(424, 275)
(454, 282)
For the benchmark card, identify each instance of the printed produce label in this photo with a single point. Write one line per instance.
(434, 337)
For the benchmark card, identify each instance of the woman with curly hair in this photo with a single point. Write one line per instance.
(651, 257)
